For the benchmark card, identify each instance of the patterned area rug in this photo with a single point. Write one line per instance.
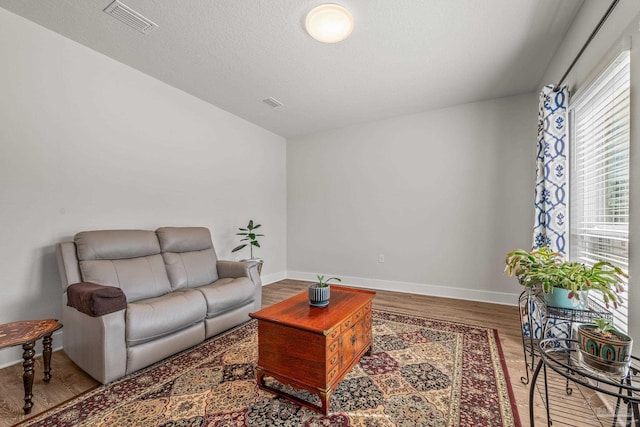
(422, 372)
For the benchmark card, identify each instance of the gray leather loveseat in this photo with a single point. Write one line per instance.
(177, 295)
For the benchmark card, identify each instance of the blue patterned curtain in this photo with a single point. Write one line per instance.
(551, 215)
(551, 196)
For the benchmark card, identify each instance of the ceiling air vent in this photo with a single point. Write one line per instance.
(272, 102)
(130, 17)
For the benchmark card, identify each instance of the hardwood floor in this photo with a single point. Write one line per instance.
(68, 381)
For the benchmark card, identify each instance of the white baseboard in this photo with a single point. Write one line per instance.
(273, 277)
(502, 298)
(13, 355)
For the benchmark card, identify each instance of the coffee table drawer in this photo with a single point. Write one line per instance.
(333, 347)
(332, 360)
(368, 319)
(351, 321)
(332, 374)
(367, 309)
(334, 333)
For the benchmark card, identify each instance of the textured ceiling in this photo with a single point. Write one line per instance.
(404, 56)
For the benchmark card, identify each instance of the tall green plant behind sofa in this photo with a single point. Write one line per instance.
(139, 296)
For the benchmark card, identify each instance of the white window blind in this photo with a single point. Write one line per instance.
(599, 189)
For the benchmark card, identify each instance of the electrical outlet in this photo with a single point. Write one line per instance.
(381, 258)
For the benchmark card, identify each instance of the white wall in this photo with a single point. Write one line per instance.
(443, 195)
(89, 143)
(621, 27)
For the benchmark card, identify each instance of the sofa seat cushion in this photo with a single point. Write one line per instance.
(227, 294)
(152, 318)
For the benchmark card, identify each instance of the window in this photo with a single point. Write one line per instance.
(599, 188)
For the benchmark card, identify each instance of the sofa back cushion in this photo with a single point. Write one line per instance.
(188, 255)
(128, 259)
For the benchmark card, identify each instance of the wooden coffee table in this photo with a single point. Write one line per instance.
(26, 333)
(313, 348)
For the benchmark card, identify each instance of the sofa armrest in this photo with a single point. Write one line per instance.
(95, 300)
(235, 269)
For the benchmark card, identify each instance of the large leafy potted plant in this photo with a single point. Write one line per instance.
(544, 268)
(604, 348)
(251, 237)
(320, 291)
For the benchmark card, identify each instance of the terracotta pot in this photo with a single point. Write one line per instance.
(610, 354)
(319, 296)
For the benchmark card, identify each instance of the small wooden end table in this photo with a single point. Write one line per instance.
(26, 333)
(313, 348)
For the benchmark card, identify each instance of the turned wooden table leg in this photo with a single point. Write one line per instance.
(27, 376)
(26, 333)
(46, 356)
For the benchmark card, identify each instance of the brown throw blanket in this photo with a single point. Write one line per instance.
(95, 300)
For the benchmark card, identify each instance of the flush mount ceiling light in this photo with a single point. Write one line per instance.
(329, 23)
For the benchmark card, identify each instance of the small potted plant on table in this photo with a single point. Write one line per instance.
(251, 237)
(319, 292)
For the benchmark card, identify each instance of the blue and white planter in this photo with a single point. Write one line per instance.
(319, 295)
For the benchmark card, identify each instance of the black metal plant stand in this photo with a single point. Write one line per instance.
(562, 356)
(532, 309)
(540, 321)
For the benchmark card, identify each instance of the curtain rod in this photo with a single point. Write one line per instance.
(614, 3)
